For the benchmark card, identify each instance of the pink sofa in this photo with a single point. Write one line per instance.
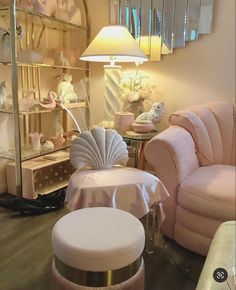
(195, 159)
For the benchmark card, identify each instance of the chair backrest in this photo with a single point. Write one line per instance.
(212, 127)
(98, 148)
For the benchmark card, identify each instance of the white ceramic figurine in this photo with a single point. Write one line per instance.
(155, 114)
(61, 59)
(65, 89)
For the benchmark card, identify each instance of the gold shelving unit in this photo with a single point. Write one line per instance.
(27, 75)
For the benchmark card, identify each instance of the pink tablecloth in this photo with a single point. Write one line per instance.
(125, 188)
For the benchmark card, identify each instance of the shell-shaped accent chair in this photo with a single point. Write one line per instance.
(99, 149)
(101, 178)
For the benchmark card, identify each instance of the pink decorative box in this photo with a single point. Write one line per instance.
(41, 175)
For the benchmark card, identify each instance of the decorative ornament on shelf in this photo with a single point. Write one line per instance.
(35, 140)
(63, 56)
(48, 146)
(28, 102)
(3, 94)
(5, 55)
(50, 102)
(137, 95)
(65, 89)
(61, 60)
(70, 135)
(58, 140)
(4, 31)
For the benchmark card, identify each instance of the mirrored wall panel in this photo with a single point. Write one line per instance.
(206, 15)
(124, 13)
(193, 20)
(114, 12)
(145, 29)
(156, 29)
(180, 29)
(168, 26)
(159, 26)
(135, 19)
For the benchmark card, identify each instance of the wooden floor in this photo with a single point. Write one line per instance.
(26, 255)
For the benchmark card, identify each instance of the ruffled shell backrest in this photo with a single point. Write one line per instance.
(98, 148)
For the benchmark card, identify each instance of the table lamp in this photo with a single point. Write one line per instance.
(113, 44)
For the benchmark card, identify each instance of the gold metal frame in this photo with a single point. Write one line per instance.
(36, 75)
(14, 75)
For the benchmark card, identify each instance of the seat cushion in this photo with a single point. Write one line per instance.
(210, 191)
(98, 239)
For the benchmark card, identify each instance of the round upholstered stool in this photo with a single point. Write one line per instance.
(98, 248)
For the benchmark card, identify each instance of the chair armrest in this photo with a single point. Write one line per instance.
(172, 153)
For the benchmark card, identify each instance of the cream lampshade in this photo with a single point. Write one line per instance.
(112, 44)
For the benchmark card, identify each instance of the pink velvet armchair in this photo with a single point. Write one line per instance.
(195, 159)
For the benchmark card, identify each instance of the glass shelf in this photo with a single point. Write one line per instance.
(40, 19)
(131, 135)
(39, 110)
(27, 152)
(43, 65)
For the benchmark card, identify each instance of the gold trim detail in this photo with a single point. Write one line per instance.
(97, 279)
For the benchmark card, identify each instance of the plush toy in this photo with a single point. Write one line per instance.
(155, 114)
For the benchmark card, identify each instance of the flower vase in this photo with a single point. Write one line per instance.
(136, 108)
(123, 121)
(35, 140)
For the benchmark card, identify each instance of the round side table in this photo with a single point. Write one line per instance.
(141, 139)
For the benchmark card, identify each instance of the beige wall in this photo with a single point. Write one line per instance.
(201, 72)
